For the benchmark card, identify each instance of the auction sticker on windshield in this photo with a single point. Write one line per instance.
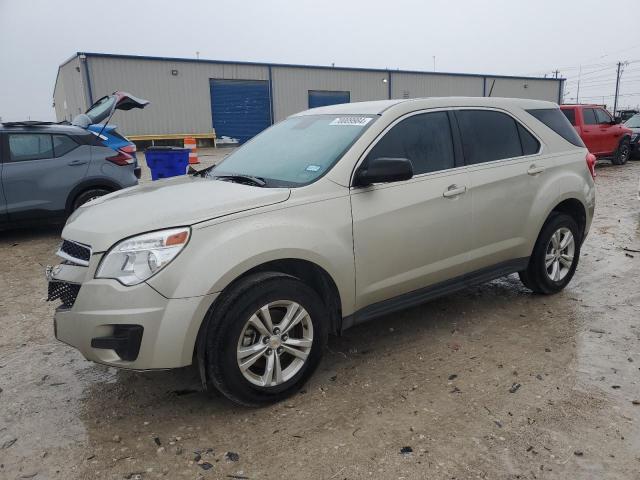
(351, 121)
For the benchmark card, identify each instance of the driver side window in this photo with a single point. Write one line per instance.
(603, 117)
(425, 139)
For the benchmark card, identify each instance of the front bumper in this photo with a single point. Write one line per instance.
(107, 314)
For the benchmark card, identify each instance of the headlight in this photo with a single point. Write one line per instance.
(136, 259)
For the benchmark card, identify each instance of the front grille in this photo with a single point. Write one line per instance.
(76, 251)
(66, 292)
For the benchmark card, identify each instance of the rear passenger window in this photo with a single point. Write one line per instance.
(63, 145)
(28, 146)
(570, 114)
(425, 139)
(589, 116)
(488, 135)
(530, 145)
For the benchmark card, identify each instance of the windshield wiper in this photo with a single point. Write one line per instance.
(199, 173)
(256, 181)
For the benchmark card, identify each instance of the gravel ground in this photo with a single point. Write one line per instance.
(492, 382)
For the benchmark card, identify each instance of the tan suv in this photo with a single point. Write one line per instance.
(330, 218)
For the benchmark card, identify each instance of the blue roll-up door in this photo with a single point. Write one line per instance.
(322, 98)
(240, 108)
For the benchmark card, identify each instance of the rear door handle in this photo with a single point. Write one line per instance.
(75, 163)
(454, 190)
(535, 170)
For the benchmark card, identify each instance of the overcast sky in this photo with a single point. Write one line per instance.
(492, 36)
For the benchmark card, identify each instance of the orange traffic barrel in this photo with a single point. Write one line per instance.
(190, 143)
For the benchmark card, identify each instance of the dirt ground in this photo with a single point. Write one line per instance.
(441, 379)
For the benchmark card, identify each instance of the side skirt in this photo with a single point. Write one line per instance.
(431, 292)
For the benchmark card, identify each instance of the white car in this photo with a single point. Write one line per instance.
(328, 219)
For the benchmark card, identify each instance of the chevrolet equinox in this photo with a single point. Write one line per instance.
(330, 218)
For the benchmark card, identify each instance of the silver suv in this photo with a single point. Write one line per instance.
(330, 218)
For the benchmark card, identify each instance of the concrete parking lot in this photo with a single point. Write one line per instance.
(492, 382)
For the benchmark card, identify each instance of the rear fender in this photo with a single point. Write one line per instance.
(572, 185)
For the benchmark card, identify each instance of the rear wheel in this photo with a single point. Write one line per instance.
(623, 153)
(87, 196)
(265, 339)
(555, 256)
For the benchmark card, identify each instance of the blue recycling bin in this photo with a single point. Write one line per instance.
(165, 162)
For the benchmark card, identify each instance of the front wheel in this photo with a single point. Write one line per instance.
(623, 153)
(265, 339)
(87, 196)
(555, 256)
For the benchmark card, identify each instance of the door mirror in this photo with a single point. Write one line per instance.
(617, 121)
(383, 170)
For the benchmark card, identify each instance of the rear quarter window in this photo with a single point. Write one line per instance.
(556, 121)
(62, 144)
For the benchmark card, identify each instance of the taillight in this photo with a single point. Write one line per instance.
(122, 158)
(129, 148)
(591, 164)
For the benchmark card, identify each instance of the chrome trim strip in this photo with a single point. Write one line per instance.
(69, 258)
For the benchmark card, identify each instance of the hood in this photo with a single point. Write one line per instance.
(175, 202)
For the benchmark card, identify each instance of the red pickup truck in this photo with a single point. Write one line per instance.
(603, 136)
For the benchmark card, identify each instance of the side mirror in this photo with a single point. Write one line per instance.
(383, 170)
(617, 120)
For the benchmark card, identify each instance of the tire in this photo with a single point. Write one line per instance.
(623, 153)
(230, 334)
(545, 279)
(87, 195)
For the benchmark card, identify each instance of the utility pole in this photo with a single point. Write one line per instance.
(578, 90)
(615, 99)
(556, 73)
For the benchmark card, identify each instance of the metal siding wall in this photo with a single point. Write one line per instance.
(291, 87)
(69, 90)
(415, 85)
(179, 104)
(515, 88)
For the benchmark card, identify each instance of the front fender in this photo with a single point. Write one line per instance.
(217, 254)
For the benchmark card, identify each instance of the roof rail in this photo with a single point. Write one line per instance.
(27, 123)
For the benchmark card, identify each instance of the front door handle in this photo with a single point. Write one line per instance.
(454, 190)
(535, 170)
(75, 163)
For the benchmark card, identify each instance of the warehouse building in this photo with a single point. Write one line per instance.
(240, 99)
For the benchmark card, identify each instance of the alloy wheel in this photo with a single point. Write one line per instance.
(560, 254)
(274, 343)
(624, 153)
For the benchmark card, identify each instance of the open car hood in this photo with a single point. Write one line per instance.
(105, 106)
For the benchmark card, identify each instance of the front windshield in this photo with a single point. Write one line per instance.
(633, 122)
(296, 151)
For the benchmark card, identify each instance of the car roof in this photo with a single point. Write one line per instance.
(44, 127)
(377, 107)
